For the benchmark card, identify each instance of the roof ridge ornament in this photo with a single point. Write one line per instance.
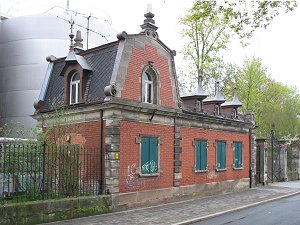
(148, 27)
(78, 41)
(71, 35)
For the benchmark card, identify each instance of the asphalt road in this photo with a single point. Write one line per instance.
(281, 212)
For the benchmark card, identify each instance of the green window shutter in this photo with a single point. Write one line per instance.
(198, 155)
(203, 155)
(238, 155)
(241, 155)
(149, 155)
(145, 155)
(153, 159)
(221, 155)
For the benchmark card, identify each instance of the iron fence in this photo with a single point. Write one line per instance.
(37, 172)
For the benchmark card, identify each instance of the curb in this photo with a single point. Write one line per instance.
(198, 219)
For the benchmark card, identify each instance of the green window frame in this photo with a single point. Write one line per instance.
(238, 155)
(221, 155)
(149, 160)
(201, 155)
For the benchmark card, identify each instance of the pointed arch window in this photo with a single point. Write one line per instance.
(75, 88)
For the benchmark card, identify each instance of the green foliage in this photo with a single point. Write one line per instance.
(209, 27)
(247, 16)
(243, 16)
(208, 34)
(46, 157)
(99, 209)
(272, 102)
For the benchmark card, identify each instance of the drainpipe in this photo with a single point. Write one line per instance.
(250, 155)
(174, 138)
(101, 183)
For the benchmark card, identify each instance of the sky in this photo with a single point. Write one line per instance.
(278, 46)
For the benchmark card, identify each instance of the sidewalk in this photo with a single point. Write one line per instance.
(193, 210)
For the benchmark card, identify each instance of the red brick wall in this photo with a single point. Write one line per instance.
(132, 86)
(129, 156)
(190, 177)
(87, 135)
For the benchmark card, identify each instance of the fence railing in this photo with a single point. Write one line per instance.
(36, 172)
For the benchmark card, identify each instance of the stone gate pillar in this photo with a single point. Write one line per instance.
(252, 137)
(261, 160)
(283, 160)
(296, 157)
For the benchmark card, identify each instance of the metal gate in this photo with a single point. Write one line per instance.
(274, 169)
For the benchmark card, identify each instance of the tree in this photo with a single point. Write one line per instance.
(207, 36)
(272, 102)
(210, 25)
(247, 16)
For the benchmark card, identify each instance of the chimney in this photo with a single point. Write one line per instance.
(78, 46)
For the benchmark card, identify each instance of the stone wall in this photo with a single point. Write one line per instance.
(151, 197)
(53, 210)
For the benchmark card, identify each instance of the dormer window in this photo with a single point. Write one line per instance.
(75, 88)
(149, 86)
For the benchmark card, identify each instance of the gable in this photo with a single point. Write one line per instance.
(139, 53)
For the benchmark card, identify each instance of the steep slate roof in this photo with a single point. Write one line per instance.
(235, 102)
(100, 59)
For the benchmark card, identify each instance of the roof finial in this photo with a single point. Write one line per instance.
(78, 46)
(149, 22)
(149, 8)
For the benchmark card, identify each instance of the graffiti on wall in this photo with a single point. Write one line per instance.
(150, 167)
(132, 179)
(212, 175)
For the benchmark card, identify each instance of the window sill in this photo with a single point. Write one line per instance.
(149, 175)
(200, 171)
(221, 170)
(238, 168)
(77, 103)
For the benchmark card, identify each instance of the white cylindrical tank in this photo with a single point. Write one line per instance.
(25, 42)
